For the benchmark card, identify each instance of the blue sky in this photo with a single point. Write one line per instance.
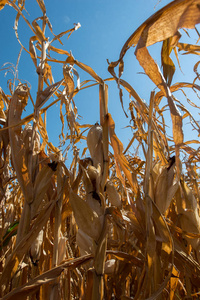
(105, 26)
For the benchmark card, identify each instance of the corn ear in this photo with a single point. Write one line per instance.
(165, 188)
(61, 248)
(17, 105)
(35, 250)
(189, 217)
(110, 266)
(94, 200)
(85, 242)
(113, 195)
(86, 218)
(41, 185)
(95, 144)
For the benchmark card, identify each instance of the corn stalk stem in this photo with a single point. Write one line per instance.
(148, 208)
(58, 210)
(99, 263)
(150, 148)
(103, 103)
(100, 254)
(40, 71)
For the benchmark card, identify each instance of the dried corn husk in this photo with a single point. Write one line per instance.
(165, 187)
(86, 218)
(36, 247)
(32, 147)
(91, 180)
(11, 215)
(94, 200)
(94, 175)
(113, 195)
(187, 209)
(61, 248)
(110, 266)
(17, 105)
(85, 242)
(95, 144)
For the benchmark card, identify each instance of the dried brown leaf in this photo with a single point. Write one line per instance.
(84, 67)
(120, 159)
(57, 37)
(188, 48)
(41, 185)
(42, 6)
(3, 3)
(167, 63)
(165, 23)
(24, 245)
(32, 50)
(86, 218)
(68, 75)
(45, 278)
(189, 217)
(38, 32)
(43, 96)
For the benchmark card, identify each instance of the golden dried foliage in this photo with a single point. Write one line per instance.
(114, 225)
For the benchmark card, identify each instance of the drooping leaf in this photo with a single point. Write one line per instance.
(2, 4)
(42, 6)
(33, 51)
(45, 278)
(165, 23)
(167, 63)
(25, 243)
(121, 161)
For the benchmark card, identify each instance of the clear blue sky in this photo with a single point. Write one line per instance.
(105, 26)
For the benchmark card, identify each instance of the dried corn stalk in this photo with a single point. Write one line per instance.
(113, 225)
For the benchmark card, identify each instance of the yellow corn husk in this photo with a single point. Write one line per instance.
(95, 144)
(113, 195)
(187, 209)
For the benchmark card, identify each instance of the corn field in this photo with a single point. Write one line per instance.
(112, 225)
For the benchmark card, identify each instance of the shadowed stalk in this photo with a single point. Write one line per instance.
(57, 229)
(99, 260)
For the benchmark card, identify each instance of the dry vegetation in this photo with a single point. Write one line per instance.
(113, 225)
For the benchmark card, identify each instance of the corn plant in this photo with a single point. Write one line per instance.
(112, 225)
